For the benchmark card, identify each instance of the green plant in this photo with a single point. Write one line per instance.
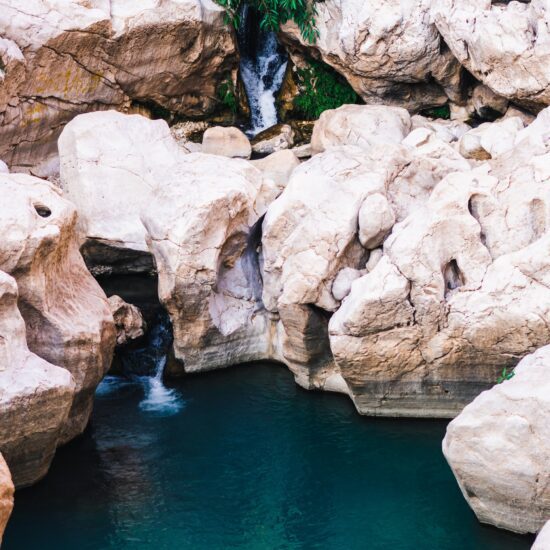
(505, 375)
(321, 88)
(227, 95)
(438, 112)
(277, 12)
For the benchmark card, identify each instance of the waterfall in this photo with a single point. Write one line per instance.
(144, 366)
(263, 66)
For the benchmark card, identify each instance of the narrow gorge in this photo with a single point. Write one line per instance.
(275, 275)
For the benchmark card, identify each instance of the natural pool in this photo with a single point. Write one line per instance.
(249, 461)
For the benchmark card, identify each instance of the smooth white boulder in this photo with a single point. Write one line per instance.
(226, 142)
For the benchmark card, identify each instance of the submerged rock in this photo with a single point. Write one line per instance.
(66, 313)
(503, 44)
(499, 449)
(6, 495)
(389, 51)
(62, 58)
(35, 400)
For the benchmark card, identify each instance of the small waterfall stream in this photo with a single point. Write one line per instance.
(263, 66)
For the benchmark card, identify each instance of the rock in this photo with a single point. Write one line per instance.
(341, 286)
(189, 132)
(543, 538)
(35, 400)
(170, 56)
(6, 496)
(274, 139)
(513, 111)
(204, 230)
(278, 167)
(490, 140)
(4, 168)
(499, 450)
(110, 163)
(226, 142)
(303, 151)
(374, 257)
(389, 52)
(362, 125)
(448, 131)
(487, 104)
(129, 322)
(376, 219)
(502, 44)
(66, 313)
(463, 287)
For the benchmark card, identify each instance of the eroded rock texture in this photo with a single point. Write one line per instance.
(503, 44)
(35, 400)
(204, 229)
(499, 449)
(61, 58)
(66, 313)
(388, 50)
(6, 495)
(461, 292)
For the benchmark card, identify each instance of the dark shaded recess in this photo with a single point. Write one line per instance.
(42, 210)
(453, 276)
(474, 207)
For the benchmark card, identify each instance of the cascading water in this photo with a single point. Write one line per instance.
(263, 66)
(144, 366)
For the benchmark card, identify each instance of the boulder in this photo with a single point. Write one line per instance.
(204, 229)
(487, 104)
(226, 142)
(129, 322)
(276, 138)
(35, 400)
(389, 51)
(448, 131)
(62, 58)
(499, 449)
(543, 539)
(6, 495)
(462, 290)
(278, 167)
(361, 125)
(503, 44)
(110, 163)
(65, 311)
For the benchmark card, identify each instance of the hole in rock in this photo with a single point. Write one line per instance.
(475, 207)
(453, 277)
(42, 211)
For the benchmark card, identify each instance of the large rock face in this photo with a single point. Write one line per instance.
(110, 164)
(66, 313)
(61, 58)
(203, 228)
(499, 449)
(388, 50)
(6, 496)
(503, 44)
(35, 400)
(462, 290)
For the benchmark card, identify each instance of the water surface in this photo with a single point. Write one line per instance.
(249, 461)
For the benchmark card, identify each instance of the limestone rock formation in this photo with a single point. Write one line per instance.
(226, 142)
(110, 163)
(204, 229)
(61, 58)
(499, 449)
(6, 495)
(66, 313)
(361, 125)
(35, 400)
(129, 322)
(543, 539)
(462, 290)
(278, 166)
(388, 50)
(503, 44)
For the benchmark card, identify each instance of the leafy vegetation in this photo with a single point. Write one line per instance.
(321, 88)
(505, 375)
(438, 112)
(277, 12)
(228, 96)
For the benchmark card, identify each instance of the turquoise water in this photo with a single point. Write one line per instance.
(249, 461)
